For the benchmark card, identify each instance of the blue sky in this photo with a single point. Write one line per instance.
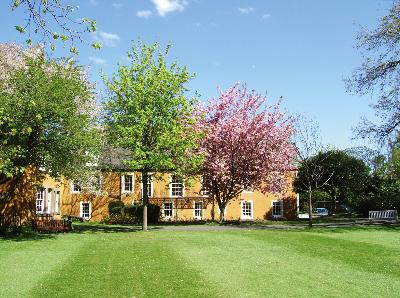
(300, 50)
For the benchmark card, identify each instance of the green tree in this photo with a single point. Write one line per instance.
(147, 112)
(349, 176)
(379, 75)
(47, 117)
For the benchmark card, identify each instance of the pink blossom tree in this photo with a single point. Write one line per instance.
(246, 145)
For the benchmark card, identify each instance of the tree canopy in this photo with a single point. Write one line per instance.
(246, 145)
(343, 177)
(149, 113)
(47, 115)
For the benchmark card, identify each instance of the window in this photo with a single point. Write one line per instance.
(49, 199)
(176, 186)
(205, 186)
(57, 202)
(76, 188)
(40, 200)
(85, 211)
(277, 208)
(149, 185)
(127, 183)
(247, 210)
(167, 209)
(198, 210)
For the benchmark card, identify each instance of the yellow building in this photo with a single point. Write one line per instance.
(178, 201)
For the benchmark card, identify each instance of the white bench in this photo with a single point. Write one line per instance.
(383, 215)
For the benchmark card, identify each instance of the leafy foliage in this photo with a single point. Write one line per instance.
(47, 116)
(148, 113)
(246, 146)
(55, 22)
(343, 177)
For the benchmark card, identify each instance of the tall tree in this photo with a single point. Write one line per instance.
(148, 113)
(47, 117)
(54, 22)
(308, 144)
(246, 146)
(379, 75)
(343, 177)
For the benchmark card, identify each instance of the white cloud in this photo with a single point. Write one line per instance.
(266, 16)
(164, 7)
(106, 39)
(117, 5)
(144, 13)
(97, 60)
(245, 10)
(93, 2)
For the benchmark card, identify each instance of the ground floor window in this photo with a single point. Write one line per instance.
(40, 200)
(167, 209)
(198, 210)
(85, 211)
(247, 210)
(277, 208)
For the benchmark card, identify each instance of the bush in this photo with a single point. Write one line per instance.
(115, 207)
(132, 214)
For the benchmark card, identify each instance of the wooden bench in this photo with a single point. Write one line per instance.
(51, 225)
(383, 215)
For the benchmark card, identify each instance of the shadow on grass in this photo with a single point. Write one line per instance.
(102, 228)
(354, 228)
(28, 235)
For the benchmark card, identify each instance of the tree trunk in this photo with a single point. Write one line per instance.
(309, 208)
(145, 178)
(213, 209)
(221, 214)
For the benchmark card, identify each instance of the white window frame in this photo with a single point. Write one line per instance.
(245, 217)
(172, 210)
(272, 208)
(150, 177)
(200, 210)
(73, 184)
(205, 191)
(49, 195)
(123, 190)
(57, 196)
(171, 186)
(81, 210)
(42, 192)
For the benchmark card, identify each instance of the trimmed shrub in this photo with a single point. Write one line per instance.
(115, 207)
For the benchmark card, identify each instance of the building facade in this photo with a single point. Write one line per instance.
(178, 200)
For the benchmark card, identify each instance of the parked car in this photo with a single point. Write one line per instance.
(321, 211)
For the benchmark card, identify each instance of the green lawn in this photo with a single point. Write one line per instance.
(101, 261)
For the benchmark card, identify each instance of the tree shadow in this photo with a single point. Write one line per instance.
(28, 236)
(102, 228)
